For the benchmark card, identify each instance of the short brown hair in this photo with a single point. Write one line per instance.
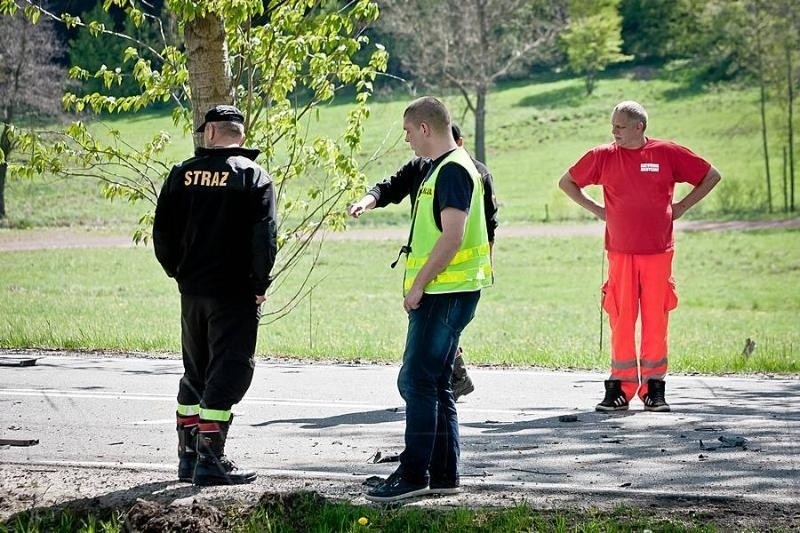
(230, 129)
(431, 111)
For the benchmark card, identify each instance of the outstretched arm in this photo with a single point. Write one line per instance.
(366, 203)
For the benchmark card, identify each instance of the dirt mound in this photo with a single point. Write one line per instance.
(153, 517)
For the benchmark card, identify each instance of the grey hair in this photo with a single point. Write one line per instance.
(634, 110)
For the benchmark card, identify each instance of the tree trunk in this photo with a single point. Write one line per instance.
(763, 102)
(588, 81)
(480, 124)
(3, 170)
(5, 146)
(790, 125)
(785, 184)
(209, 70)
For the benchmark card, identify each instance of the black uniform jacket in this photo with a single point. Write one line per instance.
(215, 228)
(407, 180)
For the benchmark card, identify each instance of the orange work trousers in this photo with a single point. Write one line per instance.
(639, 282)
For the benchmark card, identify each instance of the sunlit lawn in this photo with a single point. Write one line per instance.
(543, 309)
(535, 130)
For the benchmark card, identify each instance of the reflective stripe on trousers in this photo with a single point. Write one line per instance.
(639, 283)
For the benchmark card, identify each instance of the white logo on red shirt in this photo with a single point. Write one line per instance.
(649, 167)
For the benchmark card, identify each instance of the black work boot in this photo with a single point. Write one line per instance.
(187, 453)
(461, 383)
(615, 399)
(213, 468)
(654, 399)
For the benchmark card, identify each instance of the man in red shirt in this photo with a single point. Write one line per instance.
(638, 176)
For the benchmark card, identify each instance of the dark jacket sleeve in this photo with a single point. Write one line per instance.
(402, 183)
(264, 244)
(164, 240)
(489, 199)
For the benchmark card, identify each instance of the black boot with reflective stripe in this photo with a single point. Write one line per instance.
(615, 399)
(654, 399)
(213, 467)
(187, 454)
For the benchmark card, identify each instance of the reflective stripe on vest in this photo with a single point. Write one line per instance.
(470, 269)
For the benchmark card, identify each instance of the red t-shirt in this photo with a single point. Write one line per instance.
(638, 185)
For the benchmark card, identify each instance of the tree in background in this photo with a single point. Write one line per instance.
(658, 30)
(592, 40)
(751, 40)
(31, 82)
(468, 45)
(277, 60)
(785, 39)
(90, 49)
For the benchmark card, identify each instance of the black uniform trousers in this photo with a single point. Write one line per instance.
(219, 343)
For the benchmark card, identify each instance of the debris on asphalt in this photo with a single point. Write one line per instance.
(19, 442)
(733, 441)
(373, 481)
(568, 418)
(378, 457)
(539, 472)
(727, 441)
(18, 361)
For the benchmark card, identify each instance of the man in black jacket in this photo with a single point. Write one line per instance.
(215, 233)
(406, 183)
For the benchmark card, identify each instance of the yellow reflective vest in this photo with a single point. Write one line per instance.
(471, 268)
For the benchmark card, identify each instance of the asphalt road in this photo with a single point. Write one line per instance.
(325, 422)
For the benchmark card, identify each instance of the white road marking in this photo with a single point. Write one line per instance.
(59, 393)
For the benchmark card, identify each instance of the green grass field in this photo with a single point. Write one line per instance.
(542, 311)
(535, 130)
(544, 308)
(306, 511)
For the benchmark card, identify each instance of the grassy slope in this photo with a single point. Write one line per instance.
(544, 307)
(535, 131)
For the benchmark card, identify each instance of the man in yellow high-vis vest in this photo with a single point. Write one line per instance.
(405, 183)
(448, 263)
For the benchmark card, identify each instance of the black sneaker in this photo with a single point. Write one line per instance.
(615, 399)
(441, 486)
(654, 399)
(395, 488)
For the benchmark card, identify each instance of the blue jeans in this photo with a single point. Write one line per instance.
(431, 438)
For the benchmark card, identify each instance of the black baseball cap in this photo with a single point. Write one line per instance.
(222, 113)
